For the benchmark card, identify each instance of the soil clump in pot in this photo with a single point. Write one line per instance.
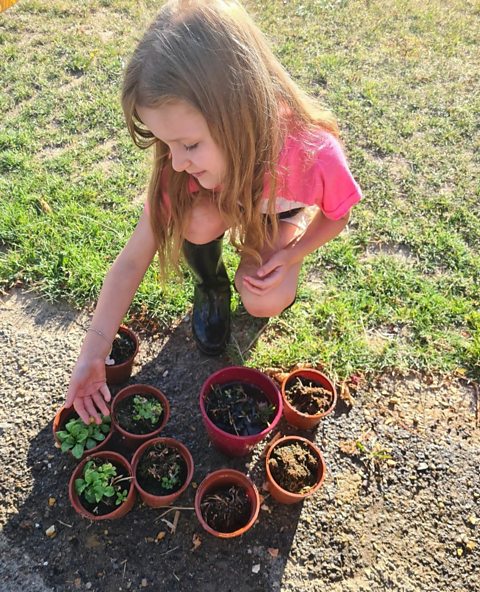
(294, 467)
(161, 470)
(239, 408)
(308, 396)
(139, 414)
(226, 509)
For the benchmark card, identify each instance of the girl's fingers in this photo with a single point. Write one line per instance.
(92, 410)
(79, 407)
(100, 403)
(105, 392)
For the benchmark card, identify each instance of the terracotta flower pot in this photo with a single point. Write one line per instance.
(63, 415)
(279, 493)
(294, 416)
(157, 501)
(129, 439)
(231, 444)
(120, 373)
(120, 511)
(224, 478)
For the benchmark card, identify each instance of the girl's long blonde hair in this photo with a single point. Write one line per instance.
(210, 54)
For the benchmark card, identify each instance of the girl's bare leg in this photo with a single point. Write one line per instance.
(277, 299)
(205, 223)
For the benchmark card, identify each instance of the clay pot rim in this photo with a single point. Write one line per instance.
(75, 498)
(56, 426)
(173, 443)
(133, 389)
(314, 448)
(303, 372)
(131, 333)
(254, 372)
(238, 478)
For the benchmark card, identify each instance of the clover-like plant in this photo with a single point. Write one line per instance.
(101, 483)
(173, 478)
(147, 409)
(78, 436)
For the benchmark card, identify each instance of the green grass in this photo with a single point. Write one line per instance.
(400, 288)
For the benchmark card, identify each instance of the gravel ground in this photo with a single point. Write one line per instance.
(399, 511)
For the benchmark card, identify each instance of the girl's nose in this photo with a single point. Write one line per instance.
(179, 162)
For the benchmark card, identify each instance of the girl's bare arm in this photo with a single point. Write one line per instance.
(88, 390)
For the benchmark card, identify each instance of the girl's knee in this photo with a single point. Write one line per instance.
(264, 306)
(204, 223)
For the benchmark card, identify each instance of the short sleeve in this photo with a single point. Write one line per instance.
(336, 189)
(314, 171)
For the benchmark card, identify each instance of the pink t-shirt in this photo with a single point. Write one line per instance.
(311, 172)
(315, 172)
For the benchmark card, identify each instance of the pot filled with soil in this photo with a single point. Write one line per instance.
(139, 413)
(101, 487)
(75, 437)
(162, 469)
(227, 503)
(239, 407)
(119, 362)
(308, 396)
(295, 469)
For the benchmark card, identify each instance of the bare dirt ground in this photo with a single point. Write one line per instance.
(399, 510)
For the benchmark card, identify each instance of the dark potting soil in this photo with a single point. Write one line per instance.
(162, 470)
(226, 509)
(107, 504)
(308, 396)
(294, 467)
(125, 412)
(239, 408)
(123, 348)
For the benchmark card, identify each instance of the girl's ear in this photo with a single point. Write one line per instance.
(169, 155)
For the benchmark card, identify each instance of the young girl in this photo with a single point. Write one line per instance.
(238, 147)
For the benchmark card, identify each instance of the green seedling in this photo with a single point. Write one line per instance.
(147, 409)
(173, 478)
(101, 484)
(78, 436)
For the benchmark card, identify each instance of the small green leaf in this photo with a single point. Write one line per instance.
(77, 450)
(91, 443)
(66, 446)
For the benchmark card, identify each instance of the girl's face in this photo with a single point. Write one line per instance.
(186, 133)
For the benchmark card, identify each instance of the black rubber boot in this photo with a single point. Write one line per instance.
(211, 303)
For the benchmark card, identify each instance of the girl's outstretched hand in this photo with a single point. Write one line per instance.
(88, 390)
(270, 275)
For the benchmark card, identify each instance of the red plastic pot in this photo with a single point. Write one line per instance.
(282, 495)
(120, 373)
(231, 444)
(123, 509)
(294, 417)
(130, 440)
(157, 501)
(64, 414)
(224, 478)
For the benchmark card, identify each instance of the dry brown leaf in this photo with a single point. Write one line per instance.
(349, 447)
(160, 536)
(197, 541)
(273, 552)
(346, 395)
